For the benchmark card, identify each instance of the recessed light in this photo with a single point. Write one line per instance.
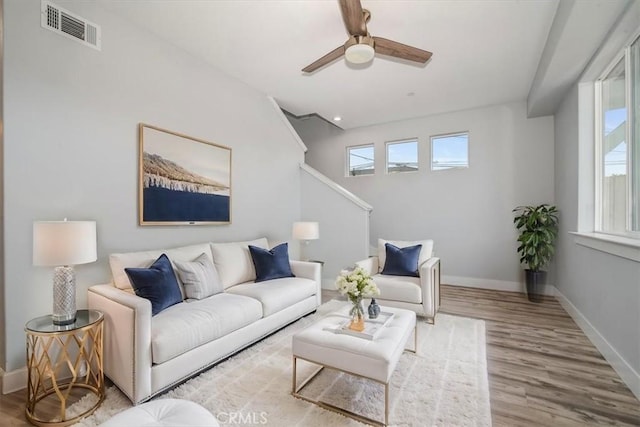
(337, 118)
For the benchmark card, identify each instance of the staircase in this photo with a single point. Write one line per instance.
(343, 219)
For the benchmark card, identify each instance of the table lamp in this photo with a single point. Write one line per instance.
(64, 244)
(305, 231)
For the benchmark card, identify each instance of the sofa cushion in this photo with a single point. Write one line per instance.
(401, 261)
(271, 264)
(199, 277)
(399, 288)
(277, 294)
(120, 261)
(190, 324)
(425, 253)
(233, 261)
(157, 283)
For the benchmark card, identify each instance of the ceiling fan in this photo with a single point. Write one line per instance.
(361, 46)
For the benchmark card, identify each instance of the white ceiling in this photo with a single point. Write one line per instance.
(485, 52)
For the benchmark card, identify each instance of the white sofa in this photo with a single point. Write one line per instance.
(145, 355)
(419, 294)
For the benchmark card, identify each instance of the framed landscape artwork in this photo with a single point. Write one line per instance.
(182, 180)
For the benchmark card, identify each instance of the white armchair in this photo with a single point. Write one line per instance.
(420, 294)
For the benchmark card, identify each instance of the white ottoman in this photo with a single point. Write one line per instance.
(164, 412)
(375, 360)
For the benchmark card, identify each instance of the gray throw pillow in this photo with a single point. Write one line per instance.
(200, 277)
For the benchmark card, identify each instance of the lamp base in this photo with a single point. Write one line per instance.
(304, 244)
(64, 296)
(63, 322)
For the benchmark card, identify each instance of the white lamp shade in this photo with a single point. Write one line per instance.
(306, 230)
(57, 243)
(359, 53)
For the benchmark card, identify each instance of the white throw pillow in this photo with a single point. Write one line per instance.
(425, 251)
(199, 277)
(120, 261)
(233, 261)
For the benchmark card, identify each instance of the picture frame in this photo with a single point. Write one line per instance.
(182, 180)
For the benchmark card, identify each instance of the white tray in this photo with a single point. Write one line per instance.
(372, 327)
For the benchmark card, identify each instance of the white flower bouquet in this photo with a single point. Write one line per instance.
(356, 284)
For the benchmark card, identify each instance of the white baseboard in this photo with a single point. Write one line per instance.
(14, 380)
(626, 371)
(496, 285)
(17, 380)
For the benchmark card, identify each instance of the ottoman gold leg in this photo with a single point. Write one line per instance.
(297, 388)
(295, 371)
(386, 404)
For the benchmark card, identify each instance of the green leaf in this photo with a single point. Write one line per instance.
(538, 227)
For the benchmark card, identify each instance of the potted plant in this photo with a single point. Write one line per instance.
(538, 227)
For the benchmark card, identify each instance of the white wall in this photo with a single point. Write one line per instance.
(601, 291)
(71, 116)
(2, 313)
(468, 211)
(344, 226)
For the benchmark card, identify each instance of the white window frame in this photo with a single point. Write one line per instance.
(397, 142)
(348, 160)
(585, 235)
(446, 135)
(625, 55)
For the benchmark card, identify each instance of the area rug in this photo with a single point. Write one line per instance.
(445, 384)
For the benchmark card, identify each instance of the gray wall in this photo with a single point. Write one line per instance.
(2, 313)
(467, 211)
(71, 116)
(344, 227)
(603, 288)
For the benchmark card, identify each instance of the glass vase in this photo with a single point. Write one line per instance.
(357, 316)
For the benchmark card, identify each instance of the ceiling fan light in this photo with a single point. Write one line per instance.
(359, 53)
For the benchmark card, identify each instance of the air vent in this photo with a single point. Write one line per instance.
(70, 25)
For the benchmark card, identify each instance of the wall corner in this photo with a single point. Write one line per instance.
(287, 123)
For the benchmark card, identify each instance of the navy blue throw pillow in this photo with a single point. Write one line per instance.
(401, 261)
(157, 283)
(273, 264)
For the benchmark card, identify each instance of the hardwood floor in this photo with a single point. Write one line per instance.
(12, 409)
(543, 371)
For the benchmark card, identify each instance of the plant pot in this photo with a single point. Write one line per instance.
(535, 281)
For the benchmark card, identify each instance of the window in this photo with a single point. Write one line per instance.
(618, 145)
(361, 160)
(450, 151)
(402, 156)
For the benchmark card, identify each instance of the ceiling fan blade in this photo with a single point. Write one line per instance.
(353, 17)
(329, 57)
(399, 50)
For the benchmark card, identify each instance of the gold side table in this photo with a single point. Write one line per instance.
(61, 359)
